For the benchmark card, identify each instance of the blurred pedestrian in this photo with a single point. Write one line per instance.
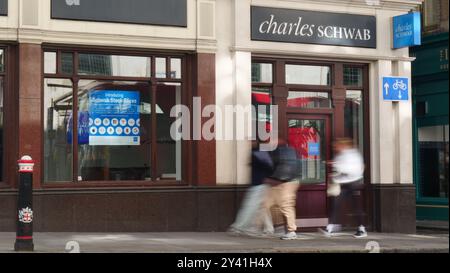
(348, 170)
(285, 183)
(252, 218)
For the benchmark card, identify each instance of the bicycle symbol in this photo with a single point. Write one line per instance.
(399, 84)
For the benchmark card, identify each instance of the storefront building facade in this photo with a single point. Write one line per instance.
(122, 171)
(430, 112)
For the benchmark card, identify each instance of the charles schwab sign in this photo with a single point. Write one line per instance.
(311, 27)
(154, 12)
(406, 30)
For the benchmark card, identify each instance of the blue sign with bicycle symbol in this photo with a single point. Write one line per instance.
(395, 88)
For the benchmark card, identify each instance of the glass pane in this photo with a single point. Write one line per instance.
(307, 137)
(2, 61)
(160, 67)
(431, 11)
(353, 76)
(308, 99)
(433, 161)
(66, 63)
(354, 118)
(261, 100)
(50, 62)
(58, 130)
(115, 131)
(308, 74)
(1, 129)
(175, 67)
(262, 72)
(113, 65)
(168, 150)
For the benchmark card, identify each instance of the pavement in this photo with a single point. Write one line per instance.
(432, 225)
(218, 242)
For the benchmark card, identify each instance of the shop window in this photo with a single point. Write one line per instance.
(175, 71)
(50, 62)
(353, 76)
(161, 71)
(2, 92)
(431, 14)
(58, 133)
(1, 127)
(303, 135)
(421, 108)
(262, 96)
(354, 118)
(111, 129)
(2, 61)
(433, 161)
(303, 99)
(262, 73)
(308, 74)
(168, 150)
(113, 65)
(66, 63)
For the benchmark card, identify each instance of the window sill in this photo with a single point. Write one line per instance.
(112, 184)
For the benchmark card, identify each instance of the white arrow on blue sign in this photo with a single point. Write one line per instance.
(395, 88)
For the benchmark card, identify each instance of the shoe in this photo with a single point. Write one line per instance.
(289, 236)
(233, 231)
(330, 230)
(325, 232)
(361, 232)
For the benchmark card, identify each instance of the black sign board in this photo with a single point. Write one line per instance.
(148, 12)
(312, 27)
(3, 7)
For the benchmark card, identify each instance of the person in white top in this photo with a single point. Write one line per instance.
(346, 181)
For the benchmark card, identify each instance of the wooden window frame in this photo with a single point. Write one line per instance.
(152, 81)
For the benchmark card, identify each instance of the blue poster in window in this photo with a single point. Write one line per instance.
(114, 117)
(313, 149)
(83, 128)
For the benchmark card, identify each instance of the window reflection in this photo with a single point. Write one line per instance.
(309, 99)
(1, 129)
(175, 67)
(261, 101)
(66, 63)
(308, 74)
(168, 149)
(433, 161)
(262, 73)
(353, 76)
(58, 130)
(113, 65)
(50, 62)
(160, 66)
(2, 61)
(354, 118)
(307, 137)
(114, 141)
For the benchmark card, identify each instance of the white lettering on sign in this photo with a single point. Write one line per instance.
(272, 26)
(73, 2)
(404, 30)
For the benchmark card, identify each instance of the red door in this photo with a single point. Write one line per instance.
(310, 136)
